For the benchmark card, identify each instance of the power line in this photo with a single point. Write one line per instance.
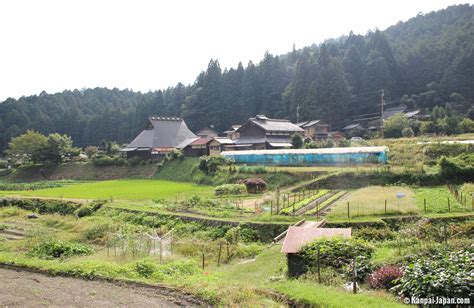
(381, 106)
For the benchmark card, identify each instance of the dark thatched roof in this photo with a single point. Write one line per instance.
(162, 132)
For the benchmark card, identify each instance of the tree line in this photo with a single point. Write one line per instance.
(425, 62)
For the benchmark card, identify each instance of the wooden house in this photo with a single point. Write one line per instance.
(314, 129)
(261, 133)
(207, 132)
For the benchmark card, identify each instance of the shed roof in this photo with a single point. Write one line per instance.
(297, 237)
(162, 132)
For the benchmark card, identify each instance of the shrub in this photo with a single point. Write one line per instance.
(103, 161)
(87, 210)
(385, 277)
(364, 268)
(249, 251)
(210, 164)
(444, 274)
(4, 226)
(96, 233)
(374, 234)
(460, 167)
(230, 189)
(335, 252)
(145, 268)
(52, 248)
(407, 132)
(43, 206)
(253, 169)
(436, 150)
(3, 164)
(175, 269)
(135, 161)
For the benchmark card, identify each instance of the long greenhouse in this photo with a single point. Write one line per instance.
(311, 157)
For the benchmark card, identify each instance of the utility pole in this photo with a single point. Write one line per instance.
(381, 106)
(298, 114)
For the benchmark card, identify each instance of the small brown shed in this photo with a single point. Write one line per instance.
(297, 237)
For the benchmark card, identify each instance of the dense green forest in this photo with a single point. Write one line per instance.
(424, 62)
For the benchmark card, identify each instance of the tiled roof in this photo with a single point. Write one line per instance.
(310, 123)
(279, 125)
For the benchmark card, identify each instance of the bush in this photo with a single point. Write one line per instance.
(230, 189)
(175, 269)
(3, 164)
(52, 248)
(253, 169)
(145, 268)
(437, 150)
(43, 206)
(374, 234)
(335, 252)
(458, 168)
(103, 161)
(249, 251)
(385, 277)
(135, 161)
(210, 164)
(89, 209)
(407, 132)
(445, 274)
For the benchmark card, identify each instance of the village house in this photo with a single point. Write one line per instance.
(262, 133)
(315, 130)
(161, 135)
(207, 132)
(233, 133)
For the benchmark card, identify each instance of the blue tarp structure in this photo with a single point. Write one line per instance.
(311, 157)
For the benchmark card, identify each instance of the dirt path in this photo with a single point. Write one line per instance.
(19, 288)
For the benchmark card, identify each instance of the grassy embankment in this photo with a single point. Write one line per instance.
(186, 170)
(80, 172)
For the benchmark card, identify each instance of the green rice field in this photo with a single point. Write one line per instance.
(119, 189)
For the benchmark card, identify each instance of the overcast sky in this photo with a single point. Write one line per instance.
(148, 45)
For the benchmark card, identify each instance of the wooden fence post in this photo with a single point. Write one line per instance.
(317, 210)
(271, 207)
(219, 255)
(449, 206)
(385, 206)
(203, 260)
(348, 213)
(424, 204)
(319, 266)
(354, 277)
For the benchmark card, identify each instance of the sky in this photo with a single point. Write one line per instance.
(53, 45)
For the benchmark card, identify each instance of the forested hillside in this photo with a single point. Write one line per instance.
(420, 62)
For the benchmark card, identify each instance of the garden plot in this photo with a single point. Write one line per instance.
(371, 201)
(440, 200)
